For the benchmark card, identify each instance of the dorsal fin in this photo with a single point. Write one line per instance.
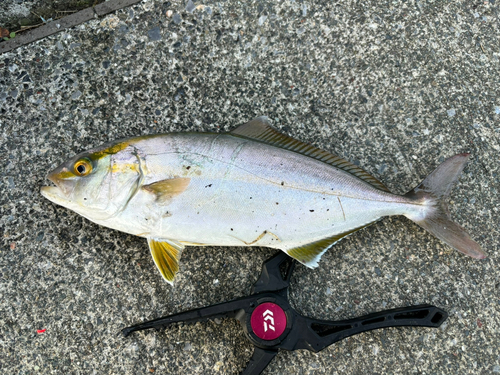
(260, 129)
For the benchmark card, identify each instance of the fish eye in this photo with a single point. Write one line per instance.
(83, 167)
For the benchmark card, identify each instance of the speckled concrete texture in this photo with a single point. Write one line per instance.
(394, 86)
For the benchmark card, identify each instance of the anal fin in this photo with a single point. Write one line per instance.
(166, 255)
(310, 254)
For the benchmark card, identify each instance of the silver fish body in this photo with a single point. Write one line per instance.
(241, 188)
(250, 187)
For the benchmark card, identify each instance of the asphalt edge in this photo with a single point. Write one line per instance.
(65, 23)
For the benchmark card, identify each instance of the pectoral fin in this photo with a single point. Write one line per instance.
(167, 189)
(310, 254)
(166, 254)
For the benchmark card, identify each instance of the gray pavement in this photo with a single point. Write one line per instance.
(394, 86)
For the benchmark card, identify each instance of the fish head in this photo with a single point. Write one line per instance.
(98, 183)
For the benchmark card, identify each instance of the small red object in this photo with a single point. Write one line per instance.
(41, 330)
(479, 324)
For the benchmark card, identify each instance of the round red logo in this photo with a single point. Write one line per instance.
(268, 321)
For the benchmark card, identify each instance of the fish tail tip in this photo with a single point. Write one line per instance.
(465, 155)
(480, 255)
(470, 248)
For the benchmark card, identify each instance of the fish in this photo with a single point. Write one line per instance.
(252, 186)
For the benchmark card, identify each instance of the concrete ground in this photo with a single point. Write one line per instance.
(394, 86)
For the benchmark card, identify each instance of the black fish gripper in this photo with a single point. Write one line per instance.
(271, 324)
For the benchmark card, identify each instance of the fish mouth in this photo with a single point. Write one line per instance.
(57, 193)
(57, 196)
(53, 193)
(52, 177)
(64, 185)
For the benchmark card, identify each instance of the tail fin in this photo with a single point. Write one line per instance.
(434, 191)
